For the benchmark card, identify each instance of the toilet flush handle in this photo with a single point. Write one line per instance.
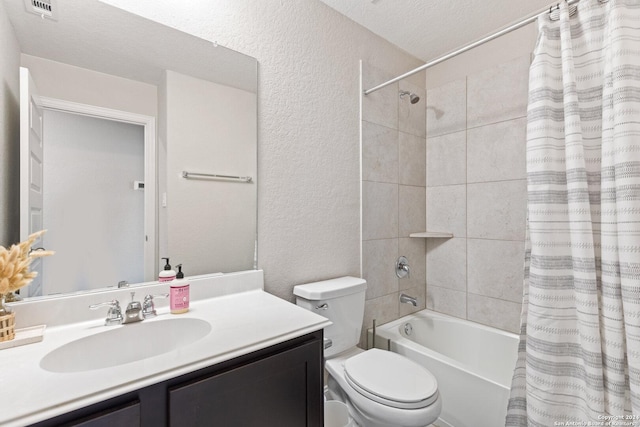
(322, 306)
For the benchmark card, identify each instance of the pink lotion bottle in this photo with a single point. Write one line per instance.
(179, 293)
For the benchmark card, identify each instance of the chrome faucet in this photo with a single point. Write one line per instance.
(133, 313)
(404, 298)
(114, 315)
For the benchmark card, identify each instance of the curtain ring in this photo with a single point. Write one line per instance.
(552, 9)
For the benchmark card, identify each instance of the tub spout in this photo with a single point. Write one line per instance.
(404, 298)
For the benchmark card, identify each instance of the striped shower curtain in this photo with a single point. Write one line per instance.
(579, 355)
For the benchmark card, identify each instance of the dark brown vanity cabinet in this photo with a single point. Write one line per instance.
(278, 386)
(124, 415)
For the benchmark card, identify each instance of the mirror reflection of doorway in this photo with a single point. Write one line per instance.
(93, 212)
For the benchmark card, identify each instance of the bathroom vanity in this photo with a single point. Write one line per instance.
(257, 362)
(276, 386)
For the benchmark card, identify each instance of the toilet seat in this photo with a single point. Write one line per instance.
(391, 379)
(369, 412)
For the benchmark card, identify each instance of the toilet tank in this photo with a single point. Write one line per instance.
(341, 300)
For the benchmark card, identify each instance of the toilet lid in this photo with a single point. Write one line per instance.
(391, 379)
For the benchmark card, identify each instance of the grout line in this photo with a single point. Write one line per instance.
(445, 134)
(480, 182)
(381, 125)
(411, 185)
(494, 239)
(499, 299)
(444, 287)
(449, 185)
(426, 186)
(466, 195)
(381, 238)
(473, 293)
(361, 164)
(499, 180)
(499, 122)
(475, 127)
(392, 128)
(382, 182)
(398, 152)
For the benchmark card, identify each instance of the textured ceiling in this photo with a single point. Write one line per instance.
(93, 35)
(429, 29)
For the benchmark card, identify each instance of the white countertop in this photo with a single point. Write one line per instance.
(240, 323)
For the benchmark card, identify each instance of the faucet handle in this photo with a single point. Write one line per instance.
(114, 315)
(402, 267)
(148, 306)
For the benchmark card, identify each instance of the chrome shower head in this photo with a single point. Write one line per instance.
(413, 98)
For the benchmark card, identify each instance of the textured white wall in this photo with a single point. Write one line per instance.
(308, 124)
(9, 132)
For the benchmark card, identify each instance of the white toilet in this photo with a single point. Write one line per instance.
(380, 388)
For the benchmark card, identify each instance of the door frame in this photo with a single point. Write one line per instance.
(31, 173)
(150, 166)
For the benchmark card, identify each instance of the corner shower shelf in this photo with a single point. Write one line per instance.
(432, 234)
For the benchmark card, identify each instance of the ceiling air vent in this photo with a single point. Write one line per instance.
(43, 8)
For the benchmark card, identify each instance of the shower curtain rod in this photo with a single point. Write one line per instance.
(518, 24)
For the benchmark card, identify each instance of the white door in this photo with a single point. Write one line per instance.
(31, 172)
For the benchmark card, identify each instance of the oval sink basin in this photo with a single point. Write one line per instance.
(125, 344)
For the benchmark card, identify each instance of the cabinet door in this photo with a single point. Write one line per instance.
(281, 390)
(121, 411)
(125, 416)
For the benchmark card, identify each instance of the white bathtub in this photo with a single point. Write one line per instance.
(472, 363)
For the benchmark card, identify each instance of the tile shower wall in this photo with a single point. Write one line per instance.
(393, 196)
(476, 189)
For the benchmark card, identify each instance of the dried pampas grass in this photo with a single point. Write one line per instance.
(14, 264)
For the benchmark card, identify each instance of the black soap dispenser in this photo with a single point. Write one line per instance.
(167, 274)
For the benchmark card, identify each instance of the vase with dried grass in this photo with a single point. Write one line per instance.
(14, 274)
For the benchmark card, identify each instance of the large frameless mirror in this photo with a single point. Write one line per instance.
(138, 142)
